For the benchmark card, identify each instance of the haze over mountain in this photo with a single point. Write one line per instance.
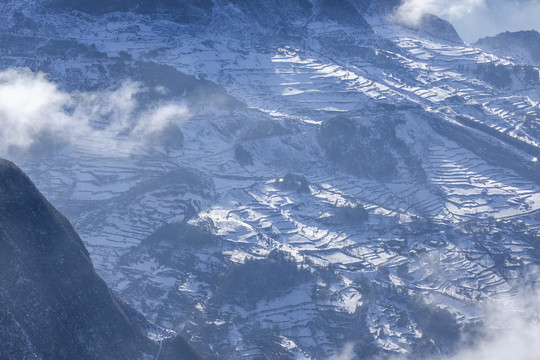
(287, 179)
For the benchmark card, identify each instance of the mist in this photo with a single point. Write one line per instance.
(31, 105)
(474, 19)
(512, 330)
(509, 329)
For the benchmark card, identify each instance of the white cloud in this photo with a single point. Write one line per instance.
(499, 16)
(475, 18)
(28, 105)
(156, 119)
(411, 11)
(31, 105)
(512, 331)
(346, 353)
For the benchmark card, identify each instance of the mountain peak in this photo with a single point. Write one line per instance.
(524, 46)
(433, 25)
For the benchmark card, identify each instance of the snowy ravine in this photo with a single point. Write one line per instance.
(330, 182)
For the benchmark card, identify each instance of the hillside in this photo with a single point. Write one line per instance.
(283, 179)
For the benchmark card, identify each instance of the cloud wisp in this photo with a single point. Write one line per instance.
(31, 105)
(474, 19)
(411, 11)
(510, 329)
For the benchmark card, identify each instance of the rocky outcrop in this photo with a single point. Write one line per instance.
(53, 304)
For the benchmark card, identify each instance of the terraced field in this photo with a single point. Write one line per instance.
(438, 227)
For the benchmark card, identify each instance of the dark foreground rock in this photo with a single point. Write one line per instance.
(53, 305)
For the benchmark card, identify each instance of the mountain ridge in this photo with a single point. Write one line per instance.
(524, 46)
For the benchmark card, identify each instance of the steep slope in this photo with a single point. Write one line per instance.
(284, 13)
(53, 304)
(524, 46)
(180, 10)
(439, 28)
(372, 189)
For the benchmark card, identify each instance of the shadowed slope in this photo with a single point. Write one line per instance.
(53, 304)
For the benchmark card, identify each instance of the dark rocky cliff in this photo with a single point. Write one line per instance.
(52, 303)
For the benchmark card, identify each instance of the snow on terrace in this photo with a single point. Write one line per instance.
(273, 214)
(473, 188)
(216, 58)
(311, 84)
(442, 65)
(458, 173)
(303, 83)
(501, 193)
(510, 113)
(335, 84)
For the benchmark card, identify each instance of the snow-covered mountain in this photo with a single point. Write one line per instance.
(284, 179)
(523, 46)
